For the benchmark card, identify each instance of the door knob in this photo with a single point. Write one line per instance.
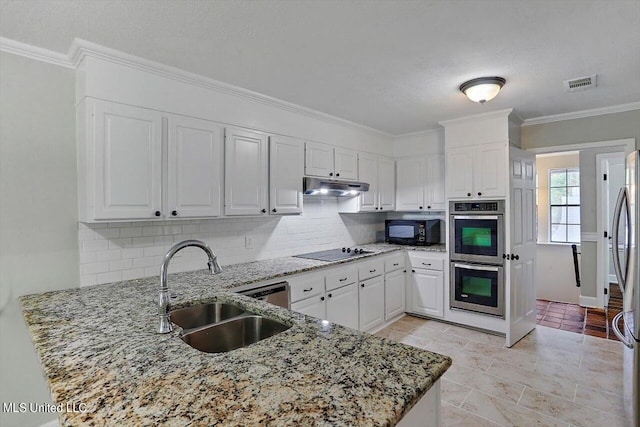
(516, 257)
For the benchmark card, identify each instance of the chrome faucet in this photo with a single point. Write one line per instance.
(163, 303)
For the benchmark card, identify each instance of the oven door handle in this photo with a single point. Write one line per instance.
(475, 216)
(476, 267)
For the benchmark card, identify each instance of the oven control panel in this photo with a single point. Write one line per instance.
(495, 206)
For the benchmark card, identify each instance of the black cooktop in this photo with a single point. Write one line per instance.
(334, 254)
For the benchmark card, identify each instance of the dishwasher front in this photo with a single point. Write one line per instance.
(275, 293)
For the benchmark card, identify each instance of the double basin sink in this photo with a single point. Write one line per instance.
(218, 327)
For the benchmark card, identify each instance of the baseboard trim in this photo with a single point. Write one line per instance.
(588, 301)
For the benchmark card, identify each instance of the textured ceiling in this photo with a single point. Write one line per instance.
(391, 65)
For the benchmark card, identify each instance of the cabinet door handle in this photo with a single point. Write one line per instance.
(425, 263)
(174, 213)
(362, 285)
(372, 271)
(342, 280)
(274, 210)
(158, 213)
(307, 290)
(330, 173)
(395, 264)
(516, 257)
(263, 211)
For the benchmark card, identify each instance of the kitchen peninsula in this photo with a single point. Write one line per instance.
(98, 346)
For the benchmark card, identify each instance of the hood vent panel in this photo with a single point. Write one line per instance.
(581, 83)
(331, 187)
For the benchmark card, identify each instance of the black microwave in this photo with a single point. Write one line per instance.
(412, 232)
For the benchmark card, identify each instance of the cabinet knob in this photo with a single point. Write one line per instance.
(420, 207)
(412, 270)
(337, 174)
(329, 295)
(479, 193)
(274, 210)
(468, 194)
(362, 285)
(174, 213)
(263, 211)
(321, 298)
(330, 173)
(158, 213)
(428, 207)
(504, 256)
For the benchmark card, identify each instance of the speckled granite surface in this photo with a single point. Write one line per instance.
(98, 347)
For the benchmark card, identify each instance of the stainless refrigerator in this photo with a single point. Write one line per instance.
(626, 325)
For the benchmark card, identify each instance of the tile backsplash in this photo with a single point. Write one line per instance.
(122, 251)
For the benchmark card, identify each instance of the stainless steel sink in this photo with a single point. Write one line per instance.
(204, 314)
(233, 334)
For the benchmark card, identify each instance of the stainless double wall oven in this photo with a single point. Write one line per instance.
(476, 249)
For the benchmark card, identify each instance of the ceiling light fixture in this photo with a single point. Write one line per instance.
(482, 89)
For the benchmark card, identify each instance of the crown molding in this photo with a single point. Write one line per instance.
(419, 132)
(33, 52)
(81, 48)
(582, 114)
(499, 113)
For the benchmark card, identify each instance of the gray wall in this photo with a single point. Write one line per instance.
(38, 214)
(577, 131)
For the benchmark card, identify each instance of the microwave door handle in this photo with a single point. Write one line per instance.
(615, 238)
(475, 217)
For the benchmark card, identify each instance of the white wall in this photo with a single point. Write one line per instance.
(123, 251)
(38, 215)
(555, 278)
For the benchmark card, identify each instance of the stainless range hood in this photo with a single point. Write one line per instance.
(332, 187)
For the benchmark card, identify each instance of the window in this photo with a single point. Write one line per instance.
(564, 202)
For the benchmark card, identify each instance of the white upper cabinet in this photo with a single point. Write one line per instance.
(346, 164)
(368, 166)
(246, 172)
(386, 184)
(330, 162)
(476, 171)
(379, 173)
(286, 168)
(119, 162)
(420, 183)
(195, 165)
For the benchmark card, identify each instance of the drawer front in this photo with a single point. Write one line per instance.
(340, 277)
(370, 269)
(429, 262)
(393, 263)
(303, 287)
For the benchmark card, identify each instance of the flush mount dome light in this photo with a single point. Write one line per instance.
(482, 89)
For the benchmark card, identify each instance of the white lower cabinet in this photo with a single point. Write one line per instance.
(314, 306)
(371, 297)
(341, 305)
(394, 285)
(426, 284)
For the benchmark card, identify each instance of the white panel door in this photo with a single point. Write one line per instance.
(346, 164)
(368, 172)
(371, 297)
(434, 198)
(521, 245)
(386, 184)
(489, 170)
(194, 168)
(245, 172)
(342, 306)
(286, 168)
(394, 284)
(459, 169)
(410, 177)
(318, 159)
(314, 306)
(128, 162)
(427, 292)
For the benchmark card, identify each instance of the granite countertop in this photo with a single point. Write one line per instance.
(98, 347)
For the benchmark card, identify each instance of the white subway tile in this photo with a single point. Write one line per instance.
(96, 245)
(153, 251)
(132, 253)
(95, 267)
(121, 264)
(109, 255)
(142, 262)
(120, 243)
(136, 273)
(112, 276)
(139, 242)
(131, 232)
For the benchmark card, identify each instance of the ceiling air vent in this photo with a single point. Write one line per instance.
(581, 83)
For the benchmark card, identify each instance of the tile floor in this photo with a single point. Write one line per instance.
(550, 378)
(573, 318)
